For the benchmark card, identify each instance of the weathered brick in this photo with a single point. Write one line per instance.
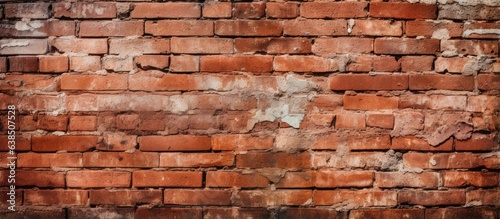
(488, 82)
(78, 45)
(369, 82)
(89, 213)
(63, 143)
(254, 10)
(52, 123)
(166, 10)
(27, 10)
(377, 28)
(201, 45)
(148, 178)
(438, 30)
(196, 159)
(282, 9)
(479, 212)
(305, 64)
(53, 64)
(333, 9)
(248, 28)
(334, 179)
(468, 12)
(98, 179)
(342, 45)
(169, 212)
(84, 10)
(265, 198)
(37, 28)
(23, 64)
(440, 82)
(411, 213)
(120, 159)
(403, 10)
(175, 143)
(412, 180)
(369, 102)
(180, 28)
(464, 179)
(469, 47)
(56, 197)
(350, 121)
(125, 197)
(111, 28)
(417, 63)
(116, 102)
(273, 160)
(23, 46)
(406, 46)
(197, 197)
(233, 179)
(413, 143)
(33, 178)
(273, 45)
(118, 63)
(240, 142)
(82, 123)
(94, 82)
(85, 63)
(256, 64)
(40, 160)
(357, 198)
(139, 46)
(148, 62)
(214, 213)
(315, 27)
(485, 197)
(431, 198)
(477, 142)
(480, 30)
(216, 9)
(380, 120)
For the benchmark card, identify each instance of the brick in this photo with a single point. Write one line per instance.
(118, 63)
(479, 212)
(175, 143)
(139, 46)
(282, 9)
(367, 142)
(23, 46)
(477, 142)
(89, 213)
(27, 123)
(411, 213)
(403, 10)
(335, 179)
(350, 121)
(377, 28)
(240, 142)
(127, 122)
(168, 212)
(484, 104)
(41, 103)
(379, 120)
(66, 143)
(413, 143)
(161, 81)
(214, 213)
(439, 30)
(485, 197)
(431, 198)
(357, 198)
(369, 102)
(342, 45)
(38, 10)
(315, 27)
(116, 102)
(53, 64)
(42, 160)
(3, 64)
(197, 197)
(18, 197)
(85, 63)
(148, 62)
(201, 45)
(38, 28)
(406, 46)
(488, 82)
(180, 28)
(39, 179)
(185, 64)
(480, 30)
(125, 197)
(468, 12)
(111, 28)
(469, 47)
(23, 64)
(36, 212)
(369, 63)
(23, 142)
(464, 179)
(254, 10)
(441, 82)
(84, 10)
(368, 82)
(216, 9)
(52, 123)
(94, 82)
(196, 159)
(56, 197)
(97, 179)
(297, 180)
(28, 82)
(78, 45)
(305, 64)
(441, 102)
(221, 179)
(412, 180)
(120, 159)
(166, 10)
(119, 141)
(82, 123)
(453, 65)
(255, 64)
(248, 28)
(267, 198)
(273, 160)
(146, 178)
(333, 9)
(417, 63)
(272, 45)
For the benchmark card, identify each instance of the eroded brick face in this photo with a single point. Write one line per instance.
(240, 109)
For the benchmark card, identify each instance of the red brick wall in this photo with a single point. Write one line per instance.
(320, 109)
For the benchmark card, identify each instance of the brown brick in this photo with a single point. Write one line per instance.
(27, 10)
(89, 213)
(125, 197)
(387, 213)
(464, 179)
(168, 212)
(97, 179)
(488, 82)
(149, 178)
(403, 10)
(166, 10)
(52, 123)
(254, 10)
(273, 160)
(31, 178)
(431, 198)
(368, 82)
(180, 28)
(56, 197)
(333, 9)
(23, 64)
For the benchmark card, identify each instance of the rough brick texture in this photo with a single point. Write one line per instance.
(258, 109)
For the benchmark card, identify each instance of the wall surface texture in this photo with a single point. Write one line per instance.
(264, 109)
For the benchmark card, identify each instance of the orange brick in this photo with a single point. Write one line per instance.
(185, 64)
(196, 159)
(120, 159)
(84, 10)
(148, 62)
(40, 160)
(358, 198)
(406, 46)
(256, 64)
(333, 9)
(268, 198)
(197, 197)
(403, 10)
(52, 123)
(335, 179)
(234, 179)
(431, 28)
(94, 82)
(201, 45)
(53, 64)
(368, 82)
(305, 64)
(351, 121)
(147, 178)
(97, 179)
(111, 28)
(315, 27)
(254, 10)
(412, 180)
(166, 10)
(342, 45)
(248, 28)
(175, 143)
(385, 121)
(463, 179)
(59, 143)
(180, 28)
(441, 82)
(82, 123)
(282, 9)
(216, 9)
(369, 102)
(417, 63)
(85, 63)
(56, 197)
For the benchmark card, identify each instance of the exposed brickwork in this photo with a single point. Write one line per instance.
(251, 109)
